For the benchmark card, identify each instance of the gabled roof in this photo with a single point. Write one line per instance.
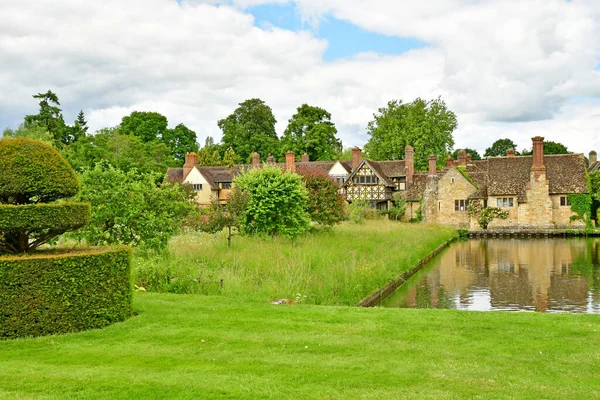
(415, 191)
(174, 175)
(373, 166)
(392, 169)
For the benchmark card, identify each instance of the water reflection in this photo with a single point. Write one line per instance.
(545, 275)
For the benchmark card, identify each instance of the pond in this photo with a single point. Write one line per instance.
(544, 275)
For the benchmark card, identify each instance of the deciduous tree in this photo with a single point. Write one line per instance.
(325, 205)
(499, 148)
(474, 154)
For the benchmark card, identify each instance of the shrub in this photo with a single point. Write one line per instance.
(325, 205)
(276, 202)
(485, 215)
(50, 293)
(359, 210)
(34, 172)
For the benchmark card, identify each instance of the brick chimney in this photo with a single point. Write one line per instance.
(191, 159)
(290, 161)
(356, 157)
(469, 159)
(462, 157)
(270, 159)
(255, 159)
(510, 153)
(593, 157)
(432, 165)
(449, 161)
(305, 157)
(538, 167)
(409, 162)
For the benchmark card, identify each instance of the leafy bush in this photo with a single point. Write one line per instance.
(358, 210)
(325, 204)
(51, 293)
(34, 172)
(398, 209)
(485, 215)
(276, 202)
(129, 208)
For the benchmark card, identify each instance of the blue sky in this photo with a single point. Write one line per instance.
(345, 39)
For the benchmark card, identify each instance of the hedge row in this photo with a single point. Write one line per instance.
(61, 217)
(32, 171)
(53, 293)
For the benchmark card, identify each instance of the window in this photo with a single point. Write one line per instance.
(197, 187)
(461, 205)
(225, 185)
(365, 179)
(504, 202)
(564, 201)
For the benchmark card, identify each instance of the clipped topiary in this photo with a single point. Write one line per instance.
(32, 174)
(51, 291)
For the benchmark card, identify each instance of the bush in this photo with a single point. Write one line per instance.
(359, 210)
(50, 293)
(276, 202)
(33, 172)
(325, 205)
(129, 208)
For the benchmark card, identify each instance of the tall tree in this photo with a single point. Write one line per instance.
(310, 130)
(49, 116)
(250, 128)
(474, 154)
(77, 131)
(426, 125)
(230, 158)
(550, 147)
(180, 140)
(499, 147)
(31, 131)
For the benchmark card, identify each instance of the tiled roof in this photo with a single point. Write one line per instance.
(174, 175)
(393, 168)
(415, 191)
(594, 167)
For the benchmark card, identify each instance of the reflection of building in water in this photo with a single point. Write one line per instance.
(520, 274)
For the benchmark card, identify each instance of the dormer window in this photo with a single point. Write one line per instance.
(365, 179)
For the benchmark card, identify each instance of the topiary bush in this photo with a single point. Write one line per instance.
(48, 292)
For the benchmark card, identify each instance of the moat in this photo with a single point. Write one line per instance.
(544, 275)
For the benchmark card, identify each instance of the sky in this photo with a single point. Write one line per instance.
(507, 68)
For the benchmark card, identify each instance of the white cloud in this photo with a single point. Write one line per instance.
(507, 68)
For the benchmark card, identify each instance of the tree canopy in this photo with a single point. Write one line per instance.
(250, 128)
(310, 130)
(499, 148)
(550, 147)
(49, 116)
(426, 125)
(474, 154)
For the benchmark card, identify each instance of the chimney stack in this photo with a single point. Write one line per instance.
(305, 157)
(593, 157)
(449, 161)
(255, 160)
(191, 159)
(409, 162)
(290, 161)
(538, 157)
(462, 157)
(469, 158)
(432, 165)
(510, 153)
(270, 159)
(356, 157)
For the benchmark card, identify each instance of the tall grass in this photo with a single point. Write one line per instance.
(336, 267)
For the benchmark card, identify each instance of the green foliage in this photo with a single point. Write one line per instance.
(581, 205)
(276, 202)
(50, 117)
(34, 172)
(325, 204)
(125, 152)
(129, 208)
(310, 130)
(463, 171)
(344, 155)
(50, 293)
(398, 209)
(218, 217)
(485, 215)
(25, 227)
(250, 128)
(499, 148)
(359, 210)
(474, 154)
(180, 140)
(230, 158)
(594, 189)
(425, 125)
(33, 131)
(550, 147)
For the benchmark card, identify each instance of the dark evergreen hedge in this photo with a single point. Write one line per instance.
(61, 217)
(34, 172)
(52, 292)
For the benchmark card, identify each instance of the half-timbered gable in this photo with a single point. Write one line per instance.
(369, 183)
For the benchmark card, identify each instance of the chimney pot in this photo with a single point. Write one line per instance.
(462, 157)
(510, 152)
(290, 161)
(270, 159)
(449, 161)
(356, 157)
(409, 162)
(538, 156)
(593, 157)
(191, 159)
(255, 160)
(432, 165)
(305, 157)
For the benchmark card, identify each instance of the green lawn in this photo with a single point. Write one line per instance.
(206, 347)
(340, 266)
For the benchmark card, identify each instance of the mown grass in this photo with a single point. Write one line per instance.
(335, 267)
(215, 347)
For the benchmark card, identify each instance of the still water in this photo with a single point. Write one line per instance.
(545, 275)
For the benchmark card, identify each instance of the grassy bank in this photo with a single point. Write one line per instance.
(201, 347)
(336, 267)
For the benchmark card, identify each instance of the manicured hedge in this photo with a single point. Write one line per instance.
(34, 172)
(52, 292)
(61, 217)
